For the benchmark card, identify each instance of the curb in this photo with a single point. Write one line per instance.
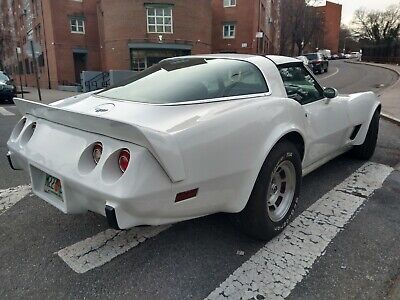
(390, 118)
(385, 116)
(373, 65)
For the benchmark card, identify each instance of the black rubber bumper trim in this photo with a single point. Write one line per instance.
(111, 217)
(10, 162)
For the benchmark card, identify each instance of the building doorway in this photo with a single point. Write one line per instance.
(80, 60)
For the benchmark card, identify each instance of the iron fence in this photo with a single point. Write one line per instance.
(383, 53)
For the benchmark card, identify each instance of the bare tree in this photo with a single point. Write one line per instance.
(378, 26)
(301, 21)
(347, 41)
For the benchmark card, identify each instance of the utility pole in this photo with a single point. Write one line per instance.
(36, 70)
(18, 51)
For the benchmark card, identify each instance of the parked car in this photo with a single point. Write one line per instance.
(335, 56)
(220, 133)
(326, 53)
(318, 61)
(356, 55)
(7, 88)
(342, 55)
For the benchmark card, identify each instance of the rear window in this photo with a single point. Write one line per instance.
(190, 79)
(312, 56)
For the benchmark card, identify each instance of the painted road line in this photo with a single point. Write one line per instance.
(106, 245)
(5, 112)
(337, 71)
(11, 196)
(274, 271)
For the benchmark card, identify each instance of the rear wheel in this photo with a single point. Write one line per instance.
(275, 194)
(367, 149)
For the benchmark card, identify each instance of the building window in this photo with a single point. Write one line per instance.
(159, 19)
(143, 59)
(229, 3)
(77, 25)
(229, 31)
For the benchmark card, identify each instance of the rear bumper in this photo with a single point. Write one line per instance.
(316, 67)
(6, 94)
(143, 195)
(10, 162)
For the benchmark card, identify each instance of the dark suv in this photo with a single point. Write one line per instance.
(318, 61)
(7, 88)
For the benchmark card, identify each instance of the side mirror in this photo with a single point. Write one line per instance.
(330, 93)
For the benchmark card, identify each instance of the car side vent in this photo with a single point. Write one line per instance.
(355, 132)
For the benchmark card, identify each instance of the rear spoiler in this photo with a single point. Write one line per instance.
(161, 144)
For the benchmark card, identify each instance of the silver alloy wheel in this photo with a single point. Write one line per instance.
(281, 190)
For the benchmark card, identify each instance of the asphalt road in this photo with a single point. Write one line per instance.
(191, 259)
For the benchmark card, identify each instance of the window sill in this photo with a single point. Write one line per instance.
(160, 32)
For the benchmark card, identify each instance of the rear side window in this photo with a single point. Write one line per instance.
(189, 79)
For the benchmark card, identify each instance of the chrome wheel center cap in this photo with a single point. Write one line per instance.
(274, 188)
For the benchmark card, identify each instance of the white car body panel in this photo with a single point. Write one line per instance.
(216, 146)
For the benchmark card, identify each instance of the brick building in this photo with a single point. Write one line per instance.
(75, 35)
(97, 35)
(239, 26)
(332, 15)
(136, 34)
(65, 35)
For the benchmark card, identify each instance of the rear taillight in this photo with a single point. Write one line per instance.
(97, 151)
(18, 129)
(123, 159)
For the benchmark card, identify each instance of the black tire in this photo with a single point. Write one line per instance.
(255, 218)
(367, 149)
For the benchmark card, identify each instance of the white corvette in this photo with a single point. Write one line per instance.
(192, 136)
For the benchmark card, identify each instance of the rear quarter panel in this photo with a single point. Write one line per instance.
(223, 152)
(361, 108)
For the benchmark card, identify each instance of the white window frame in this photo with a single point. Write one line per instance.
(229, 3)
(155, 16)
(76, 20)
(229, 30)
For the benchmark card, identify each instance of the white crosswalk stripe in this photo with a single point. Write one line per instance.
(106, 245)
(11, 196)
(5, 112)
(274, 271)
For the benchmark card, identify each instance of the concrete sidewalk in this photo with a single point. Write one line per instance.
(48, 96)
(389, 97)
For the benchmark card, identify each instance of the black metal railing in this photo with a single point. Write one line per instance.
(100, 81)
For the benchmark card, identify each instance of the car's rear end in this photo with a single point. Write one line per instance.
(7, 88)
(316, 61)
(147, 152)
(78, 170)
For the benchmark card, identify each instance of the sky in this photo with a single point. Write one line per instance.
(350, 6)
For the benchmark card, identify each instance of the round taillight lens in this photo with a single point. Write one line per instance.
(97, 151)
(123, 160)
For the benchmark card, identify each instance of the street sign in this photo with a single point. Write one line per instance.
(19, 51)
(260, 35)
